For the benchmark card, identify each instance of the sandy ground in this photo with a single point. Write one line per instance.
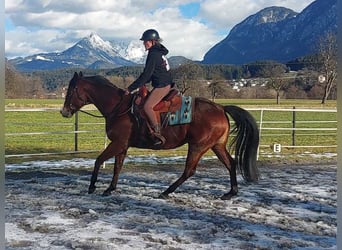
(47, 207)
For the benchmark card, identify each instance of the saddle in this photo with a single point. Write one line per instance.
(170, 103)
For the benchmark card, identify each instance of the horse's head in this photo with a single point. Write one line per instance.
(75, 98)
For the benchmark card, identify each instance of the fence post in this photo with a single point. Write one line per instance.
(260, 127)
(76, 131)
(294, 126)
(105, 145)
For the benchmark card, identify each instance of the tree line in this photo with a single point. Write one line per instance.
(309, 77)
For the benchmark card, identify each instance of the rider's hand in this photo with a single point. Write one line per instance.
(126, 92)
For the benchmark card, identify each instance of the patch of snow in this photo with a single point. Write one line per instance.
(135, 52)
(43, 59)
(97, 41)
(67, 62)
(47, 207)
(84, 162)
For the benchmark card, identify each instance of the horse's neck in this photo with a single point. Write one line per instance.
(106, 100)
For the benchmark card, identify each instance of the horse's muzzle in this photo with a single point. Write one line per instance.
(66, 113)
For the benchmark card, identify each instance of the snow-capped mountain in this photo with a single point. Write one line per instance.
(90, 52)
(133, 51)
(136, 52)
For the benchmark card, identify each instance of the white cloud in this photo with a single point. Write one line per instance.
(24, 42)
(54, 25)
(223, 14)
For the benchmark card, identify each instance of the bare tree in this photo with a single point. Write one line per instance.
(186, 77)
(182, 84)
(276, 77)
(34, 87)
(327, 62)
(215, 87)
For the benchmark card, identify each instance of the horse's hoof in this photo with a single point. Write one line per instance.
(227, 196)
(91, 190)
(163, 196)
(106, 193)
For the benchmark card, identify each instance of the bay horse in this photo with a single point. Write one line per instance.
(209, 129)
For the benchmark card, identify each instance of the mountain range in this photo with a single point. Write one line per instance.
(90, 52)
(274, 33)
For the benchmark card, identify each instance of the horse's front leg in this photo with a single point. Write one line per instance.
(119, 159)
(109, 152)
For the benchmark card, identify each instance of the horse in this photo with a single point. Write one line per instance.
(208, 129)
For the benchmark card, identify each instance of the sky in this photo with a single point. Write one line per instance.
(188, 27)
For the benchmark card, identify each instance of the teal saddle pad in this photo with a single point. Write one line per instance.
(184, 114)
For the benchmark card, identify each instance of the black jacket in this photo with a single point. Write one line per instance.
(156, 69)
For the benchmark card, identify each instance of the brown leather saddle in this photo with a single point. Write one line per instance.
(170, 103)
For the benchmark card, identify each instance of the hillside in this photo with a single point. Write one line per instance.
(276, 33)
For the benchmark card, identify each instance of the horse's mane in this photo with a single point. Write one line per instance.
(101, 80)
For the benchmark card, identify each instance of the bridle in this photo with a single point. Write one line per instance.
(85, 102)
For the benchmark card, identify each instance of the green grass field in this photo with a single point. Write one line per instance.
(48, 132)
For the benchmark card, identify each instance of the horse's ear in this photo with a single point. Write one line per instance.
(80, 74)
(75, 75)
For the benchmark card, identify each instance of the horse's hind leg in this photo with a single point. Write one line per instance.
(223, 155)
(194, 155)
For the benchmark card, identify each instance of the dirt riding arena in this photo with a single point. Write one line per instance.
(47, 207)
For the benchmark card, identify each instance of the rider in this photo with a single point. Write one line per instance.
(157, 70)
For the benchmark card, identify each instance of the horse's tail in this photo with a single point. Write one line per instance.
(246, 142)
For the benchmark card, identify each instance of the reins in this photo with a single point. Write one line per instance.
(97, 116)
(112, 113)
(117, 107)
(85, 103)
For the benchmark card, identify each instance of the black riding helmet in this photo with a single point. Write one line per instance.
(150, 34)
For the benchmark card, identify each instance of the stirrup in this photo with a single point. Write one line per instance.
(156, 134)
(160, 139)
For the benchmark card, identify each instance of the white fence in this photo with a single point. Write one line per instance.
(285, 132)
(325, 125)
